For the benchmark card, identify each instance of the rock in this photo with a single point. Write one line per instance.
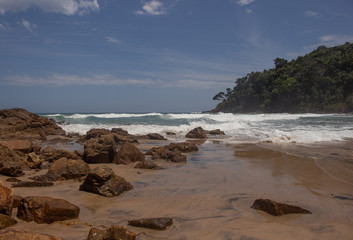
(184, 147)
(11, 234)
(171, 133)
(120, 131)
(33, 161)
(152, 223)
(216, 132)
(276, 208)
(128, 153)
(100, 150)
(48, 177)
(46, 210)
(6, 199)
(166, 154)
(148, 164)
(32, 184)
(62, 153)
(16, 201)
(113, 233)
(65, 169)
(96, 133)
(10, 163)
(155, 136)
(197, 133)
(103, 181)
(121, 139)
(6, 221)
(13, 179)
(23, 146)
(18, 123)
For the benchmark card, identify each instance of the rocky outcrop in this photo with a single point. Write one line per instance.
(10, 162)
(12, 234)
(128, 153)
(152, 223)
(6, 221)
(46, 210)
(6, 199)
(112, 233)
(23, 146)
(103, 181)
(18, 123)
(65, 169)
(197, 133)
(276, 208)
(172, 152)
(100, 150)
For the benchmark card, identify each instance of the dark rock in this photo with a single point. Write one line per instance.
(33, 161)
(62, 153)
(103, 181)
(184, 147)
(96, 133)
(65, 169)
(128, 153)
(6, 199)
(216, 132)
(113, 233)
(23, 146)
(171, 133)
(46, 210)
(100, 150)
(10, 162)
(342, 197)
(120, 131)
(148, 164)
(45, 178)
(155, 136)
(32, 184)
(197, 133)
(6, 221)
(121, 139)
(13, 179)
(152, 223)
(16, 201)
(276, 208)
(12, 234)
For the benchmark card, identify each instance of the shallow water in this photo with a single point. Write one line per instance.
(210, 196)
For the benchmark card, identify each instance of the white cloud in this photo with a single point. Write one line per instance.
(311, 14)
(112, 39)
(29, 26)
(244, 2)
(2, 27)
(331, 40)
(153, 7)
(67, 7)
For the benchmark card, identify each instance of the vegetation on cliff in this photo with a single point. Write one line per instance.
(321, 81)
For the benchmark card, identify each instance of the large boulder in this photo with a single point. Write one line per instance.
(6, 221)
(112, 233)
(152, 223)
(10, 162)
(276, 208)
(12, 234)
(23, 146)
(6, 199)
(197, 133)
(100, 150)
(128, 153)
(103, 181)
(65, 169)
(18, 123)
(46, 210)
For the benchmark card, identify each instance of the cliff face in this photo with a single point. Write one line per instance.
(321, 81)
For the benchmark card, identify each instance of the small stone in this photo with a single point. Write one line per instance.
(276, 208)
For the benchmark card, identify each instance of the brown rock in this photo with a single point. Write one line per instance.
(184, 147)
(16, 201)
(216, 132)
(100, 150)
(32, 184)
(197, 133)
(62, 153)
(103, 181)
(13, 179)
(6, 199)
(65, 169)
(10, 163)
(121, 139)
(155, 136)
(120, 131)
(46, 210)
(11, 234)
(33, 161)
(148, 164)
(128, 153)
(6, 221)
(276, 208)
(113, 233)
(24, 146)
(45, 178)
(152, 223)
(96, 133)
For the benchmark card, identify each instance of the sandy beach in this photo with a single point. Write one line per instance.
(210, 196)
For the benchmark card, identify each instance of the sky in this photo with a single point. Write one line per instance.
(151, 55)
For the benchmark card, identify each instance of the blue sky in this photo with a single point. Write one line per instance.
(159, 55)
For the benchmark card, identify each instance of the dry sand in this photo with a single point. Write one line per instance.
(210, 196)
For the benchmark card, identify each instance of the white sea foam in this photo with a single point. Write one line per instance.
(111, 115)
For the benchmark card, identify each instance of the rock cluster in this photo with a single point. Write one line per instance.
(172, 152)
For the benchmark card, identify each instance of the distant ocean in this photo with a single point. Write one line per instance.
(300, 128)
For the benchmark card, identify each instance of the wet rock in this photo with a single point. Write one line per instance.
(166, 154)
(340, 197)
(276, 208)
(16, 201)
(128, 153)
(100, 150)
(18, 123)
(148, 164)
(197, 133)
(184, 147)
(23, 146)
(103, 181)
(121, 139)
(13, 179)
(6, 221)
(155, 136)
(96, 133)
(215, 132)
(33, 161)
(62, 153)
(12, 234)
(10, 162)
(32, 184)
(6, 199)
(171, 133)
(113, 233)
(120, 131)
(45, 178)
(46, 210)
(65, 169)
(152, 223)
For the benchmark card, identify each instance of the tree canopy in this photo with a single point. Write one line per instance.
(321, 81)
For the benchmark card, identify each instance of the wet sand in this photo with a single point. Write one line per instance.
(210, 196)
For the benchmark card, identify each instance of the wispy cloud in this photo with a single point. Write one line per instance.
(2, 27)
(331, 40)
(112, 39)
(153, 7)
(29, 26)
(244, 2)
(66, 7)
(311, 13)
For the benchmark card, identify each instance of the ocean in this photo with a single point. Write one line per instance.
(239, 128)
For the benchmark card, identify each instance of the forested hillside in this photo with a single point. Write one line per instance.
(321, 81)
